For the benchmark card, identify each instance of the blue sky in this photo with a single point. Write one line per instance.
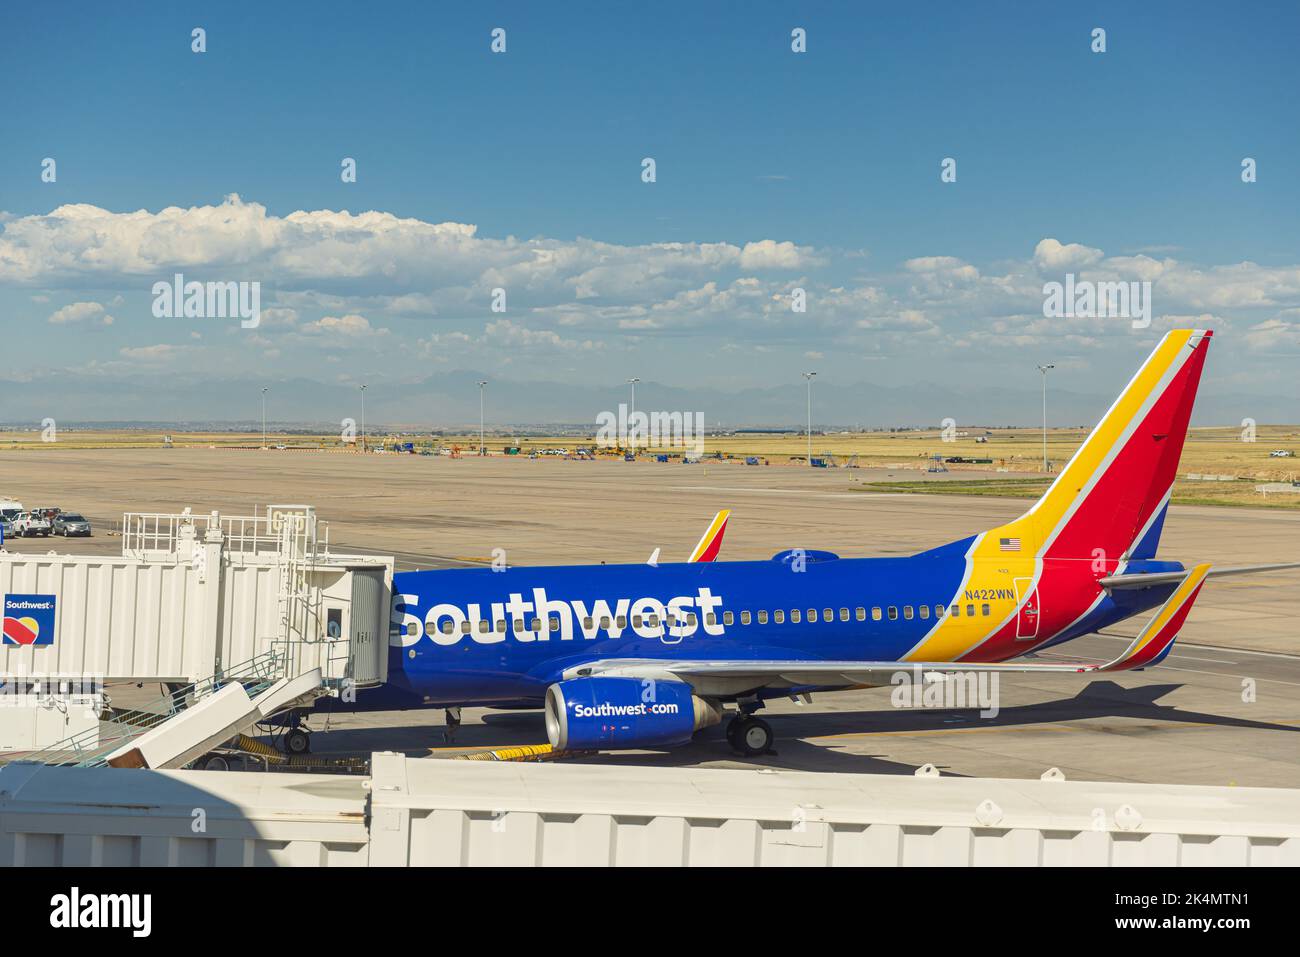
(1129, 160)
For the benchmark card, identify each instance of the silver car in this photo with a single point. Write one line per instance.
(70, 524)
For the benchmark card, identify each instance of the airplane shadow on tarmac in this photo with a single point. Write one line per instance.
(805, 739)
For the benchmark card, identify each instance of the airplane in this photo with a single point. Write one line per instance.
(635, 656)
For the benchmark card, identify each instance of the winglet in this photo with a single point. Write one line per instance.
(709, 546)
(1154, 641)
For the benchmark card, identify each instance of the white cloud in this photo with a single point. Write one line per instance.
(81, 312)
(1051, 256)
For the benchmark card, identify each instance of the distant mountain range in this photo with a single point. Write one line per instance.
(452, 401)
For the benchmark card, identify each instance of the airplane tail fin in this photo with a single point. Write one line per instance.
(1110, 500)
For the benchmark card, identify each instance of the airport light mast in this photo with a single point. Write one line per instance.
(264, 419)
(632, 382)
(1043, 370)
(363, 418)
(809, 377)
(482, 448)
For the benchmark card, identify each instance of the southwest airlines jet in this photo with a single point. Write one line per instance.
(643, 656)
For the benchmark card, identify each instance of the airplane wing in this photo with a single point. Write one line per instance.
(1165, 578)
(727, 677)
(709, 545)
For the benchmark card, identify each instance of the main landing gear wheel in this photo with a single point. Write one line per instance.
(297, 741)
(750, 736)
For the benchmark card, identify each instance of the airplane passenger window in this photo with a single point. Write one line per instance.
(970, 611)
(691, 619)
(778, 616)
(956, 611)
(636, 621)
(604, 621)
(728, 618)
(519, 625)
(876, 614)
(893, 613)
(907, 612)
(861, 614)
(844, 614)
(812, 614)
(555, 624)
(537, 625)
(762, 617)
(587, 623)
(448, 626)
(464, 627)
(828, 614)
(986, 611)
(938, 611)
(712, 619)
(795, 616)
(653, 621)
(622, 621)
(744, 618)
(501, 626)
(925, 612)
(484, 626)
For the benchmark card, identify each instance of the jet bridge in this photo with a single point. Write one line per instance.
(198, 603)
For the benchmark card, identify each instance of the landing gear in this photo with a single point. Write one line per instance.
(214, 762)
(749, 735)
(453, 722)
(297, 741)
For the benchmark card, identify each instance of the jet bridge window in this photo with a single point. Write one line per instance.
(876, 614)
(893, 613)
(744, 617)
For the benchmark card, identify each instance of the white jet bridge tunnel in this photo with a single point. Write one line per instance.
(241, 617)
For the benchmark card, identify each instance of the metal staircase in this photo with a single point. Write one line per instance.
(90, 749)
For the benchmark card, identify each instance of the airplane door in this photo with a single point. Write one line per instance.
(1027, 615)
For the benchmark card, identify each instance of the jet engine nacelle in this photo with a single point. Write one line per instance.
(594, 713)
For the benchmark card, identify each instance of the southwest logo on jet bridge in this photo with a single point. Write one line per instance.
(643, 617)
(29, 619)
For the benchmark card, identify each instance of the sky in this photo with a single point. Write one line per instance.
(501, 226)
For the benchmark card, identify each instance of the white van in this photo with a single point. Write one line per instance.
(9, 509)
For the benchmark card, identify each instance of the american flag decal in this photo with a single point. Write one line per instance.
(1009, 544)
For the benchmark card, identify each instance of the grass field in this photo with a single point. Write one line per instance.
(1215, 452)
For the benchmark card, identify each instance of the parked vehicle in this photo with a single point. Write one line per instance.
(10, 509)
(70, 525)
(31, 524)
(6, 530)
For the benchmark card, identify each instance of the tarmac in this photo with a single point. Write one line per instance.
(1222, 709)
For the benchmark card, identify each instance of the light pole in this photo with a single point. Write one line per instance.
(1043, 370)
(632, 428)
(363, 418)
(264, 418)
(482, 448)
(809, 377)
